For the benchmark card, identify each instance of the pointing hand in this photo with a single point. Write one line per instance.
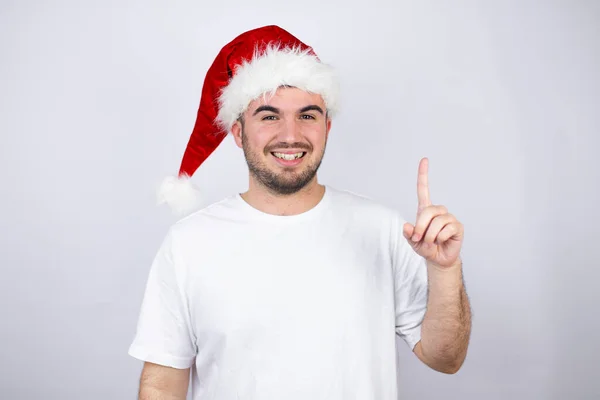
(437, 235)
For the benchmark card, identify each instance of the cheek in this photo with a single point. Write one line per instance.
(316, 135)
(265, 136)
(258, 140)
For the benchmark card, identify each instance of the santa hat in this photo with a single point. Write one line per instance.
(255, 63)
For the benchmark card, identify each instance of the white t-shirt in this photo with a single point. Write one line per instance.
(284, 307)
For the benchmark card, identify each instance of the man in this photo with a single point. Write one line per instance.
(293, 289)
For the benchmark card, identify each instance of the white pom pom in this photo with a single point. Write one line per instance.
(180, 195)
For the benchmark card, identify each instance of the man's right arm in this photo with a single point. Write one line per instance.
(164, 338)
(158, 382)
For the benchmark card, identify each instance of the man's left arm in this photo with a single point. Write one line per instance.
(446, 327)
(437, 236)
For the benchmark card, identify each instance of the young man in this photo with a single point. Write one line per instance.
(293, 289)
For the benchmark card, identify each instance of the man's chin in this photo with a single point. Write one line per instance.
(283, 180)
(288, 185)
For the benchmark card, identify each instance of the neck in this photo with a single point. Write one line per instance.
(268, 202)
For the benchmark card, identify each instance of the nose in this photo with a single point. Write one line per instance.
(291, 131)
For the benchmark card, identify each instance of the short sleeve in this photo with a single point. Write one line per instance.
(164, 335)
(410, 274)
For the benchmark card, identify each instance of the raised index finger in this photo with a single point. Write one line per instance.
(423, 185)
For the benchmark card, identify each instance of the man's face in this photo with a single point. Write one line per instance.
(284, 138)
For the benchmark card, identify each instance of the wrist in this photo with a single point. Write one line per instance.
(457, 265)
(445, 280)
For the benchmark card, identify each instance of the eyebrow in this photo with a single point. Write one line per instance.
(266, 108)
(276, 110)
(312, 108)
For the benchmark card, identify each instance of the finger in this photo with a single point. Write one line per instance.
(423, 185)
(450, 231)
(435, 227)
(424, 219)
(407, 230)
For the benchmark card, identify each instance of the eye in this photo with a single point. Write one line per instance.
(307, 116)
(269, 118)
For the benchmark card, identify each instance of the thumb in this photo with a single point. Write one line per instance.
(408, 230)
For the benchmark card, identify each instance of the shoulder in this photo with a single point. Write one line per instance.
(371, 218)
(362, 205)
(206, 219)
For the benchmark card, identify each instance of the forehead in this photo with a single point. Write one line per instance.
(288, 98)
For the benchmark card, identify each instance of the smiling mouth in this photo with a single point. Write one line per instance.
(289, 157)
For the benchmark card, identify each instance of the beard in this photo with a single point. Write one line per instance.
(283, 183)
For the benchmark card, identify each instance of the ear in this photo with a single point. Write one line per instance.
(236, 131)
(328, 127)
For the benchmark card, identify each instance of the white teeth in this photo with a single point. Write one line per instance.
(288, 156)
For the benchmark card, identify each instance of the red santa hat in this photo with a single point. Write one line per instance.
(255, 63)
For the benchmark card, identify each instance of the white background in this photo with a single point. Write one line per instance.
(97, 101)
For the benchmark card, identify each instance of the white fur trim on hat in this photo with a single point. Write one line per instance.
(270, 70)
(180, 194)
